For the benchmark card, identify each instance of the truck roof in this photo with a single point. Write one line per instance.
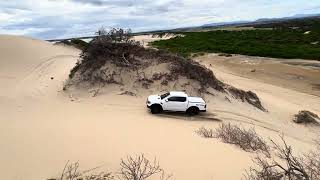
(178, 93)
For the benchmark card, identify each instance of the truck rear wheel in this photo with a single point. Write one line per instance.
(193, 111)
(155, 109)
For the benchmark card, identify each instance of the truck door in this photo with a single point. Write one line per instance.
(175, 103)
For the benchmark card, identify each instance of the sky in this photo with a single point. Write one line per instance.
(51, 19)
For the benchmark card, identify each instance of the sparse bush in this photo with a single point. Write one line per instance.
(205, 132)
(71, 171)
(306, 117)
(74, 70)
(286, 166)
(116, 35)
(129, 93)
(225, 54)
(138, 168)
(132, 168)
(194, 70)
(246, 96)
(247, 140)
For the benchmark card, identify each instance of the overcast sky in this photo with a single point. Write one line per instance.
(47, 19)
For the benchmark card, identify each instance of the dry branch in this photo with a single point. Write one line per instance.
(286, 165)
(71, 171)
(138, 168)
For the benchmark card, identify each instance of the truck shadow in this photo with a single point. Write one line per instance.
(207, 116)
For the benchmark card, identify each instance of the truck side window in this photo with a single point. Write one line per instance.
(177, 99)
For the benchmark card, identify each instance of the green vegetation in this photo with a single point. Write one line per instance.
(79, 43)
(284, 43)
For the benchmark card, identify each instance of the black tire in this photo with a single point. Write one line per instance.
(193, 111)
(156, 109)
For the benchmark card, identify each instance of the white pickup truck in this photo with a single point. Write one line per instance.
(176, 101)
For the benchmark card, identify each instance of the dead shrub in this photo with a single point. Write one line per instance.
(225, 54)
(205, 132)
(129, 93)
(132, 168)
(246, 96)
(115, 35)
(306, 117)
(247, 140)
(165, 77)
(165, 82)
(198, 54)
(159, 76)
(71, 171)
(286, 165)
(107, 47)
(312, 164)
(138, 168)
(193, 70)
(146, 82)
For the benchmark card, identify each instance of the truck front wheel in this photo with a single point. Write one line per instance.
(193, 111)
(155, 109)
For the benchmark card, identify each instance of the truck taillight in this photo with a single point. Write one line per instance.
(205, 106)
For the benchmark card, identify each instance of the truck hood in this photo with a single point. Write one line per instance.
(154, 98)
(196, 100)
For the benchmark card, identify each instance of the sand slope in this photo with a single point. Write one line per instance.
(42, 127)
(23, 59)
(297, 74)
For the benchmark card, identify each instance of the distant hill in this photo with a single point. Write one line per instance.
(225, 23)
(297, 16)
(305, 15)
(301, 22)
(305, 21)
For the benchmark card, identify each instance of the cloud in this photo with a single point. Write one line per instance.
(47, 19)
(106, 2)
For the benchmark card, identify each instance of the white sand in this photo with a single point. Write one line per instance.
(145, 39)
(41, 128)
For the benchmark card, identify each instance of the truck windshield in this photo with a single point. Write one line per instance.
(164, 95)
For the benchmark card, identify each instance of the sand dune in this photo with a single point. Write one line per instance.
(22, 58)
(42, 126)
